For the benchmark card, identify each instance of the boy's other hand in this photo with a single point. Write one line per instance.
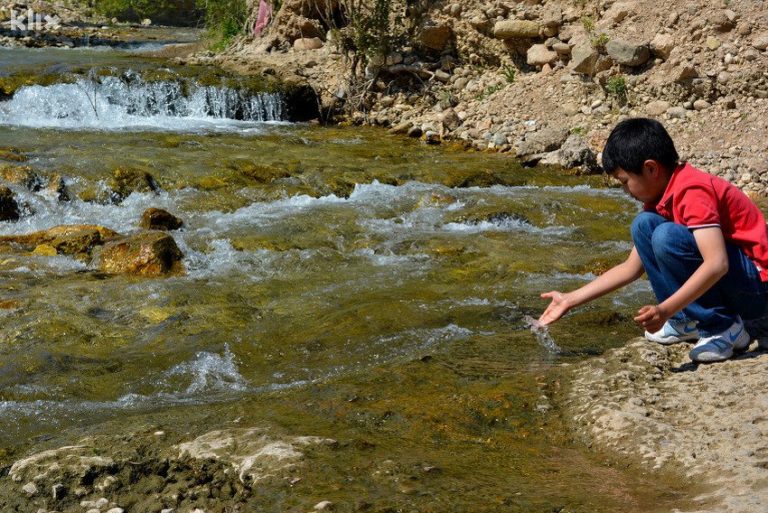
(651, 317)
(556, 309)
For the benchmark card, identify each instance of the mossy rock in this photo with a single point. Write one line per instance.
(22, 175)
(12, 155)
(125, 181)
(259, 173)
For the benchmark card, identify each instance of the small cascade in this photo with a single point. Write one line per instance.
(114, 102)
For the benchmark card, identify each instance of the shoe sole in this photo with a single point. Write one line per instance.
(741, 345)
(668, 341)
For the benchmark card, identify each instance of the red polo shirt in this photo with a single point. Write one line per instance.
(697, 199)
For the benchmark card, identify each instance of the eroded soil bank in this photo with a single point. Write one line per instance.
(649, 403)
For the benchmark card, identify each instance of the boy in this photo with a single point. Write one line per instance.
(702, 243)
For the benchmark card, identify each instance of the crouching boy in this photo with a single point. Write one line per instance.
(702, 243)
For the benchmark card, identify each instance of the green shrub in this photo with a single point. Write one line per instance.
(509, 73)
(617, 86)
(172, 12)
(224, 19)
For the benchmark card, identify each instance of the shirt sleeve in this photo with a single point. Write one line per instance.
(697, 207)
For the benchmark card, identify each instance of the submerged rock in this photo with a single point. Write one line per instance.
(9, 209)
(126, 181)
(144, 254)
(159, 219)
(252, 452)
(21, 175)
(74, 240)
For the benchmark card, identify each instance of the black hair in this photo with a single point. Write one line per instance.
(635, 140)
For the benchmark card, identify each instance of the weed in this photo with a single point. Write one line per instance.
(578, 130)
(509, 73)
(599, 41)
(489, 91)
(589, 23)
(617, 86)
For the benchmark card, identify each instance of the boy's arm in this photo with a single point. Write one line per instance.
(616, 277)
(711, 245)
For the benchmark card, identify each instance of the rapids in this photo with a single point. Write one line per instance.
(340, 283)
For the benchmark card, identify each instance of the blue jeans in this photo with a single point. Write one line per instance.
(670, 256)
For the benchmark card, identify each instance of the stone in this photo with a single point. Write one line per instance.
(545, 140)
(575, 152)
(539, 55)
(149, 254)
(401, 128)
(29, 488)
(684, 72)
(159, 219)
(657, 108)
(78, 241)
(662, 45)
(722, 20)
(454, 10)
(125, 181)
(584, 58)
(115, 510)
(146, 22)
(712, 43)
(516, 29)
(677, 113)
(9, 208)
(77, 460)
(307, 43)
(562, 48)
(252, 452)
(415, 132)
(435, 37)
(628, 53)
(450, 120)
(22, 175)
(701, 105)
(323, 506)
(432, 137)
(760, 41)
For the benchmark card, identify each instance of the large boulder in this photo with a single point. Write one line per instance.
(539, 55)
(78, 241)
(628, 53)
(545, 140)
(435, 37)
(516, 29)
(159, 219)
(584, 58)
(9, 209)
(576, 153)
(148, 254)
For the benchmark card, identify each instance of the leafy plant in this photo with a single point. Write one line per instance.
(224, 19)
(599, 41)
(617, 86)
(509, 73)
(578, 130)
(589, 23)
(489, 91)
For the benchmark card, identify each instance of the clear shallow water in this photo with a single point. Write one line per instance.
(339, 283)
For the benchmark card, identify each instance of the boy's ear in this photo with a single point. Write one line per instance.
(653, 168)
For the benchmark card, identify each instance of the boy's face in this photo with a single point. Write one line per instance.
(648, 186)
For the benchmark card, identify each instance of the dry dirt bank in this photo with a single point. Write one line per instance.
(520, 76)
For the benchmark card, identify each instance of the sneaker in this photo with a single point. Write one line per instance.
(721, 346)
(673, 332)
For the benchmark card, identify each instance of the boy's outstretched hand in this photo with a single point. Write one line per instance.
(651, 317)
(556, 309)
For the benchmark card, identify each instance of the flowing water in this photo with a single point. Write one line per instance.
(340, 283)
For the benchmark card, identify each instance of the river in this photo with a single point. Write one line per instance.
(340, 282)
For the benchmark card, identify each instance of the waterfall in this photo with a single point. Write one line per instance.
(127, 101)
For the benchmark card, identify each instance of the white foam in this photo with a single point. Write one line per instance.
(129, 102)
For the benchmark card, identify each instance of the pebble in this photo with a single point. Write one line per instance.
(29, 488)
(117, 510)
(323, 506)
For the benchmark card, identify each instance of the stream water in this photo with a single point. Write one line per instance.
(370, 289)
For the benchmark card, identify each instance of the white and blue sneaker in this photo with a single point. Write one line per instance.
(673, 332)
(721, 346)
